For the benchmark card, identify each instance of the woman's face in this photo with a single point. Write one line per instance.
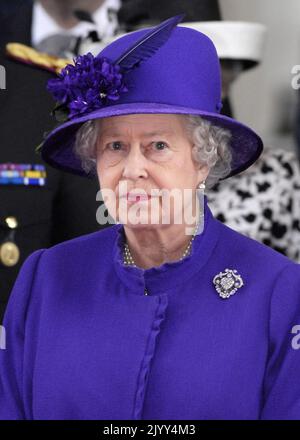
(149, 155)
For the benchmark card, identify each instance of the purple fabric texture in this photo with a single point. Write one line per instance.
(182, 77)
(84, 342)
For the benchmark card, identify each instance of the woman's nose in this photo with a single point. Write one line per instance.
(135, 164)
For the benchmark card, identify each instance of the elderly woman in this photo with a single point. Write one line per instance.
(168, 317)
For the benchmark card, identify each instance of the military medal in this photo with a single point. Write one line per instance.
(227, 282)
(9, 251)
(22, 174)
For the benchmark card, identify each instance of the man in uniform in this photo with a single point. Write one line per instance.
(39, 206)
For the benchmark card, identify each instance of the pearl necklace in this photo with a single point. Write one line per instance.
(129, 261)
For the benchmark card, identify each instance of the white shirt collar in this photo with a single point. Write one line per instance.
(43, 25)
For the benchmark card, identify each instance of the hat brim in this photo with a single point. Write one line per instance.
(57, 149)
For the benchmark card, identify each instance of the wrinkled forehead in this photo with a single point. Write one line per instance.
(148, 124)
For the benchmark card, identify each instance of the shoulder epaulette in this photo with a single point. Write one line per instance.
(28, 55)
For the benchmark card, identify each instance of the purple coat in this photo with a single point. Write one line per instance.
(83, 341)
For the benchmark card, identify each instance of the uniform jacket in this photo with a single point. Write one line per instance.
(83, 341)
(66, 206)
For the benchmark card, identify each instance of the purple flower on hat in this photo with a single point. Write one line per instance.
(87, 85)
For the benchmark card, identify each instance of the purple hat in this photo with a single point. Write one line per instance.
(165, 69)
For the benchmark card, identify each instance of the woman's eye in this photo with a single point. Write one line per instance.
(160, 145)
(115, 146)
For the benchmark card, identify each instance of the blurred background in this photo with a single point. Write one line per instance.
(263, 97)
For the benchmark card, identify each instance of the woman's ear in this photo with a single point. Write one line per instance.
(203, 171)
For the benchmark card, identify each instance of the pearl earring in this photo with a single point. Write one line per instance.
(200, 197)
(201, 187)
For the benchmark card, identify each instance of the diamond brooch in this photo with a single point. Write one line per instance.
(227, 282)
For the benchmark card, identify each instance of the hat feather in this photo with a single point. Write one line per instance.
(148, 44)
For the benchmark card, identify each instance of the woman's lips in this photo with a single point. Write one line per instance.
(138, 197)
(135, 197)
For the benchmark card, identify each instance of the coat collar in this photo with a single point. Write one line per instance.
(168, 276)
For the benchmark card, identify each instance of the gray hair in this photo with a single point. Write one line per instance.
(211, 146)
